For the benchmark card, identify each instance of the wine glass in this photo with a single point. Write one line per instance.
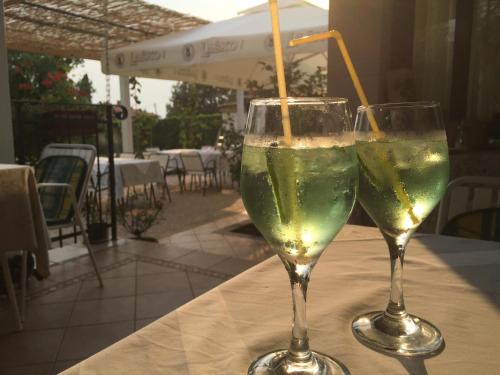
(403, 173)
(299, 192)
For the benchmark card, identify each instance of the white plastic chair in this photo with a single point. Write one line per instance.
(465, 194)
(193, 164)
(168, 167)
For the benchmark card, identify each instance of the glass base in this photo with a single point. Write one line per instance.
(408, 336)
(279, 363)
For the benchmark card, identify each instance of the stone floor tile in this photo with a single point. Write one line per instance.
(233, 266)
(60, 366)
(43, 369)
(69, 270)
(205, 228)
(112, 288)
(165, 252)
(159, 304)
(201, 259)
(29, 347)
(204, 237)
(255, 253)
(220, 250)
(103, 311)
(84, 341)
(191, 245)
(162, 282)
(127, 270)
(63, 294)
(202, 283)
(141, 323)
(103, 258)
(55, 315)
(144, 268)
(135, 247)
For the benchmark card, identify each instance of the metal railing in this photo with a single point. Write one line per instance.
(37, 124)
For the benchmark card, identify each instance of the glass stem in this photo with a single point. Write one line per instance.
(397, 246)
(299, 280)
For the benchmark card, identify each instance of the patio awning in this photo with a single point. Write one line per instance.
(226, 53)
(79, 28)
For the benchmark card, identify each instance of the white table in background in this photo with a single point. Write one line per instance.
(206, 155)
(128, 173)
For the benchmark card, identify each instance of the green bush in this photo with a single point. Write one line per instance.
(186, 131)
(166, 133)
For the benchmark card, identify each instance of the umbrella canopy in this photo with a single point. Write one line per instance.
(227, 53)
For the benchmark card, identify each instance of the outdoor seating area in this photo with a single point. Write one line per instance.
(190, 188)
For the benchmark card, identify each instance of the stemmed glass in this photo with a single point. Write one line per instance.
(403, 174)
(299, 196)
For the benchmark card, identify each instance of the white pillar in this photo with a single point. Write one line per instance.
(6, 134)
(240, 110)
(127, 132)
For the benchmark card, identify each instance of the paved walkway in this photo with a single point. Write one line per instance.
(70, 318)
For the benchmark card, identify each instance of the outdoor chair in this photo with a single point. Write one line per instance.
(471, 208)
(127, 155)
(193, 165)
(63, 174)
(168, 167)
(149, 151)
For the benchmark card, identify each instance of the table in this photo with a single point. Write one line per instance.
(207, 155)
(22, 226)
(452, 282)
(129, 172)
(22, 223)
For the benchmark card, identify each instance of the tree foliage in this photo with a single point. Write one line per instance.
(298, 82)
(45, 78)
(143, 130)
(193, 99)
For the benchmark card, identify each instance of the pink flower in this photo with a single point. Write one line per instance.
(24, 86)
(47, 83)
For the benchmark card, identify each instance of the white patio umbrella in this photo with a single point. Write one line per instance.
(227, 53)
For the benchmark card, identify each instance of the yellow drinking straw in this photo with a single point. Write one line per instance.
(288, 165)
(401, 194)
(280, 71)
(350, 68)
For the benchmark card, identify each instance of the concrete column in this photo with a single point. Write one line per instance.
(240, 110)
(6, 133)
(127, 132)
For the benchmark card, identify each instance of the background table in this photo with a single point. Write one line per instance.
(129, 172)
(22, 223)
(206, 155)
(451, 282)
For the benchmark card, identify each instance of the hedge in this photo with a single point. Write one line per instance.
(186, 131)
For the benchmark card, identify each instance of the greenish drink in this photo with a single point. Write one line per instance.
(299, 197)
(421, 168)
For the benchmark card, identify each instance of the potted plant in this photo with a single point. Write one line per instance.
(138, 213)
(97, 223)
(232, 149)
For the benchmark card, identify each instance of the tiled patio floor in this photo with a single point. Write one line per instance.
(70, 318)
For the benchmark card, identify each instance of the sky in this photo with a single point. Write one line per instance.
(155, 93)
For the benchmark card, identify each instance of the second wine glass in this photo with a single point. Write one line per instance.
(403, 175)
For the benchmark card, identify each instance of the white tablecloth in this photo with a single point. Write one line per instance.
(451, 282)
(206, 155)
(22, 223)
(129, 172)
